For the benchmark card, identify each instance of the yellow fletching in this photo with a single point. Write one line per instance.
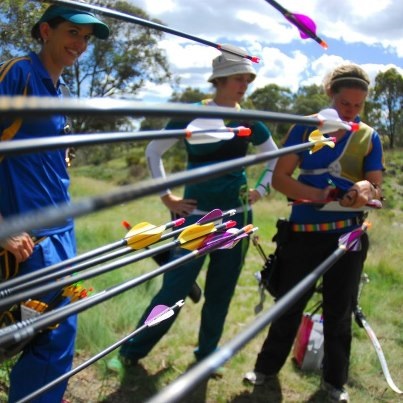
(317, 136)
(143, 234)
(195, 233)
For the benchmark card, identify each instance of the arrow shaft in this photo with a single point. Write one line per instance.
(85, 261)
(139, 21)
(186, 383)
(26, 329)
(19, 106)
(49, 216)
(16, 147)
(30, 291)
(89, 362)
(80, 262)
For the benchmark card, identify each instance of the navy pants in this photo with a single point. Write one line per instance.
(298, 256)
(50, 354)
(222, 275)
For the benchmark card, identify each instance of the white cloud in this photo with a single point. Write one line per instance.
(367, 32)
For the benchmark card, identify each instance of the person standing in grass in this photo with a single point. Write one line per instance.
(354, 167)
(34, 181)
(231, 77)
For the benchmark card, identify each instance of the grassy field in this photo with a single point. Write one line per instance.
(381, 300)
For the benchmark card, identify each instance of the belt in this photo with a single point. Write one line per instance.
(326, 226)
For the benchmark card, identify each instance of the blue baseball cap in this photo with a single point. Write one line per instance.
(75, 16)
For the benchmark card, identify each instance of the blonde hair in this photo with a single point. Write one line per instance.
(346, 76)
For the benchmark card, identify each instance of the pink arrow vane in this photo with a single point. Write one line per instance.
(306, 26)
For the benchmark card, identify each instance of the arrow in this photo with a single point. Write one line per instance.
(227, 240)
(18, 106)
(332, 122)
(21, 331)
(305, 25)
(53, 272)
(187, 382)
(36, 107)
(204, 131)
(41, 276)
(320, 141)
(139, 21)
(145, 234)
(158, 314)
(53, 215)
(192, 134)
(190, 238)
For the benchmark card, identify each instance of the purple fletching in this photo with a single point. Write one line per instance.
(352, 239)
(211, 216)
(306, 22)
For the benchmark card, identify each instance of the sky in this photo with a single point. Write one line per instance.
(366, 32)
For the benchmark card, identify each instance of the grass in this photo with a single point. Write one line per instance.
(104, 324)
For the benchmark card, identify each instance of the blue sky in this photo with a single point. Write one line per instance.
(367, 32)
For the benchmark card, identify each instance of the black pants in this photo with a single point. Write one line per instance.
(299, 255)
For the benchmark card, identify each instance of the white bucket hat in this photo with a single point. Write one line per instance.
(227, 64)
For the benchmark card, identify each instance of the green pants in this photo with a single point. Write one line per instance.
(222, 275)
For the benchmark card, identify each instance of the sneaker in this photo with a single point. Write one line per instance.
(335, 394)
(255, 378)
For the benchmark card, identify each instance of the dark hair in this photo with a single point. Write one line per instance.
(217, 80)
(53, 23)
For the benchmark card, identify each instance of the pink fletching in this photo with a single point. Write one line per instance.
(157, 310)
(307, 22)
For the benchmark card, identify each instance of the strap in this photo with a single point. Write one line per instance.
(325, 226)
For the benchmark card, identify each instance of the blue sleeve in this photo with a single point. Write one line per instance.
(374, 160)
(14, 76)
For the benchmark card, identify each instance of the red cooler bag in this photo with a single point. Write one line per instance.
(308, 346)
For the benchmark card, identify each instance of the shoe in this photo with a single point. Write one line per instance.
(255, 378)
(195, 293)
(335, 394)
(118, 364)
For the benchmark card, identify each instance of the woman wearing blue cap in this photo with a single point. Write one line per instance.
(39, 180)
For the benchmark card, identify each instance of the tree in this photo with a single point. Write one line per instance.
(309, 99)
(16, 20)
(372, 111)
(119, 66)
(388, 91)
(189, 95)
(275, 99)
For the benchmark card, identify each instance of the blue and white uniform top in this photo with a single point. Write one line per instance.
(32, 181)
(319, 169)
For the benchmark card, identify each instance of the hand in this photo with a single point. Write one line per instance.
(21, 246)
(358, 195)
(178, 205)
(253, 196)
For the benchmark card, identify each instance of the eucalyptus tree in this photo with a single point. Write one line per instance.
(118, 67)
(388, 93)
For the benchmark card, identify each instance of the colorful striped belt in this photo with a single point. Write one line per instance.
(326, 226)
